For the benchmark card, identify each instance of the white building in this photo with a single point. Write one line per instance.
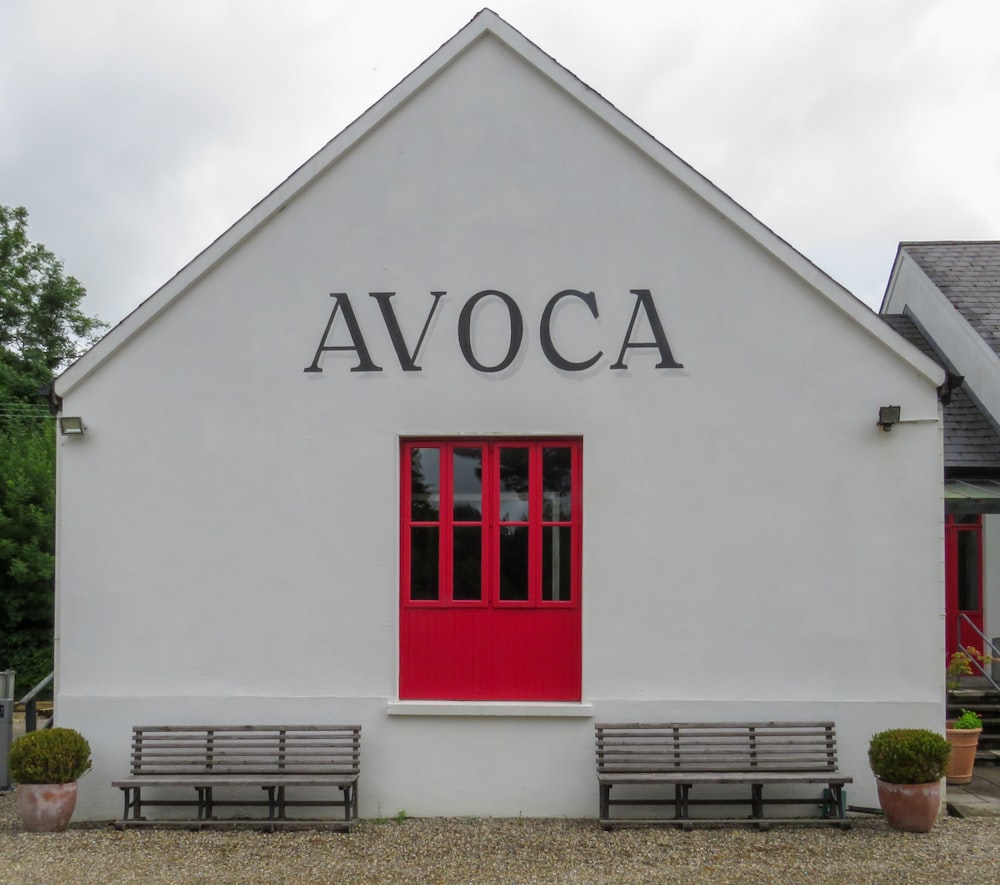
(492, 421)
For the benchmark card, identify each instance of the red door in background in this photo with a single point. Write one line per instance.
(963, 562)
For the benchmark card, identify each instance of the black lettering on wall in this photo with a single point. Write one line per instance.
(465, 330)
(407, 360)
(365, 364)
(644, 299)
(545, 331)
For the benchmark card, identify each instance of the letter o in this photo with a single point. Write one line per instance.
(465, 330)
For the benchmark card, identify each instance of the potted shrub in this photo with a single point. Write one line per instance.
(46, 766)
(908, 764)
(963, 735)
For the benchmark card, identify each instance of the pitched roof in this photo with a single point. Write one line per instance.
(968, 275)
(487, 24)
(971, 439)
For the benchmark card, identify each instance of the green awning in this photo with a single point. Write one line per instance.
(972, 496)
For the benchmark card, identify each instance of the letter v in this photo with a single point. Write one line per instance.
(407, 361)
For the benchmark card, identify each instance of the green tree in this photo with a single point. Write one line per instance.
(42, 329)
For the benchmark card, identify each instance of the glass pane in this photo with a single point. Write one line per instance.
(467, 575)
(556, 541)
(424, 562)
(425, 484)
(468, 485)
(968, 571)
(514, 563)
(513, 485)
(557, 484)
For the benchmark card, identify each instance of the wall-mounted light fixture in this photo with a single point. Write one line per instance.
(887, 416)
(71, 426)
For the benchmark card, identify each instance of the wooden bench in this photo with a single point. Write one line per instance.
(272, 757)
(684, 754)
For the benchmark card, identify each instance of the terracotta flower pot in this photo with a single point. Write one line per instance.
(912, 808)
(963, 753)
(46, 808)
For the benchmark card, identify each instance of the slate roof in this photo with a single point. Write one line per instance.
(968, 274)
(971, 439)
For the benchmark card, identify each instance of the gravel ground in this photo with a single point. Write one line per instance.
(502, 851)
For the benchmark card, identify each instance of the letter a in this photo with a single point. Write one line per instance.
(644, 299)
(365, 363)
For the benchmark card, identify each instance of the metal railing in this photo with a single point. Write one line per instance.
(993, 652)
(31, 705)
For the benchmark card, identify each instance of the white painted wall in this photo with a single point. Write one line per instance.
(991, 576)
(753, 546)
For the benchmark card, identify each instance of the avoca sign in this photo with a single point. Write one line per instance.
(408, 355)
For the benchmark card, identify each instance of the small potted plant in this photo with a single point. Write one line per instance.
(908, 764)
(963, 735)
(46, 766)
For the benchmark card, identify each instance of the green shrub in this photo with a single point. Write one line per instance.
(908, 755)
(968, 719)
(50, 756)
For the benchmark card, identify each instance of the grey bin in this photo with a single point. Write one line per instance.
(6, 724)
(995, 666)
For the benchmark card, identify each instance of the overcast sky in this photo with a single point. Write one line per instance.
(136, 131)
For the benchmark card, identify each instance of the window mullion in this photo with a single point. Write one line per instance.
(491, 523)
(446, 547)
(535, 474)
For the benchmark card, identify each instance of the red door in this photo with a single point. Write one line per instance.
(963, 562)
(490, 584)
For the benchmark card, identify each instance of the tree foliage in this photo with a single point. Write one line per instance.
(42, 329)
(42, 325)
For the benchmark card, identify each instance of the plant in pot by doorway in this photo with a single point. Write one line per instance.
(960, 664)
(908, 764)
(963, 735)
(46, 766)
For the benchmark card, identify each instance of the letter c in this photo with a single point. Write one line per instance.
(545, 332)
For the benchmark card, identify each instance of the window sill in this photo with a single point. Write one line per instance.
(490, 708)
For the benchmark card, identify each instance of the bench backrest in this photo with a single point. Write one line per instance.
(633, 747)
(246, 749)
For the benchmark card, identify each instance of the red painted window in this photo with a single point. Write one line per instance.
(490, 583)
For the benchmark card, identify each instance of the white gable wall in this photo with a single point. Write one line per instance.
(228, 528)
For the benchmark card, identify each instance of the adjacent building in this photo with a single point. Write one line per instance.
(945, 298)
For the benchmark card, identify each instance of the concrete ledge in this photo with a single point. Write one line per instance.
(489, 708)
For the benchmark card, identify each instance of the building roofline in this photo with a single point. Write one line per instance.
(488, 24)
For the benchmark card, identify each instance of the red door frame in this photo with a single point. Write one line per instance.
(963, 542)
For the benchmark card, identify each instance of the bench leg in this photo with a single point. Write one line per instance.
(757, 800)
(835, 804)
(604, 802)
(205, 809)
(350, 796)
(133, 801)
(685, 807)
(270, 802)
